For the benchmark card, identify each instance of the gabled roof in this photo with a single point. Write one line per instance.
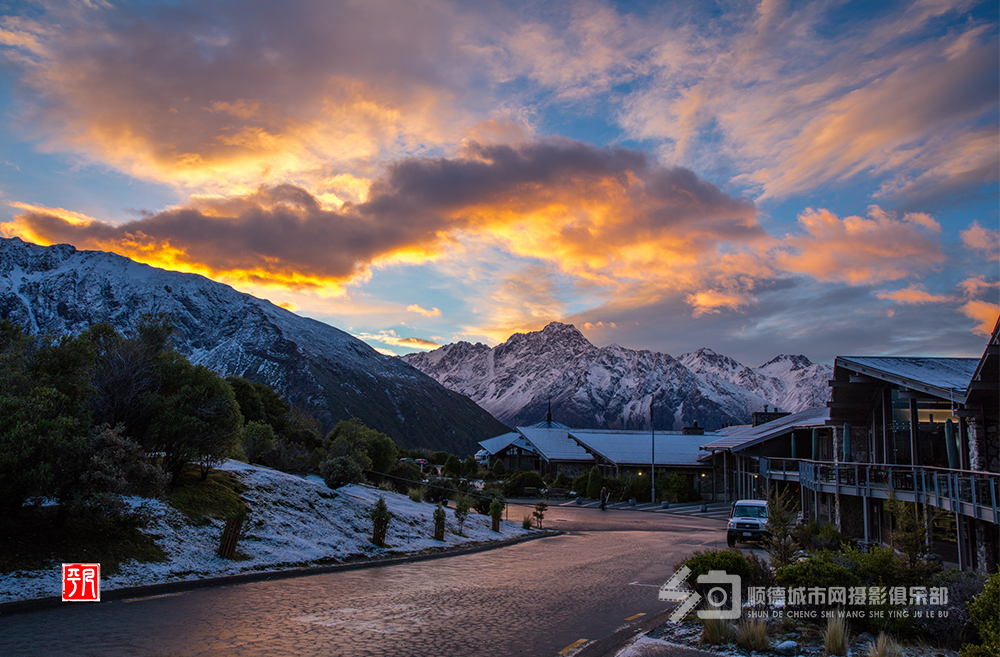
(498, 444)
(947, 378)
(746, 435)
(549, 424)
(634, 448)
(554, 444)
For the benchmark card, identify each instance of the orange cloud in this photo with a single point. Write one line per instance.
(414, 308)
(912, 295)
(391, 338)
(974, 285)
(713, 301)
(985, 313)
(977, 238)
(860, 250)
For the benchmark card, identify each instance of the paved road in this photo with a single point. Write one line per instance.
(536, 598)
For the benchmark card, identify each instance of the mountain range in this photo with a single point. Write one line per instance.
(611, 387)
(61, 290)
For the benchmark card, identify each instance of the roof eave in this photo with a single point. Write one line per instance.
(950, 394)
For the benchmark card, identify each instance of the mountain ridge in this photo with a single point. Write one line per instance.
(62, 290)
(612, 387)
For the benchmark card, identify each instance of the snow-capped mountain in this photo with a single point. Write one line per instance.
(611, 387)
(59, 289)
(791, 383)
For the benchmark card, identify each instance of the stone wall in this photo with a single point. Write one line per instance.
(984, 445)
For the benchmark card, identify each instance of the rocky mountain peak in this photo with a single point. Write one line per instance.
(611, 387)
(797, 362)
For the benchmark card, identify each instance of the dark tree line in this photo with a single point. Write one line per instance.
(87, 419)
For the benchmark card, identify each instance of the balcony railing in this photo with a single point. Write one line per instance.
(970, 493)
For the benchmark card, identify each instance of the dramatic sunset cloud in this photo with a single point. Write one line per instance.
(222, 98)
(597, 213)
(661, 173)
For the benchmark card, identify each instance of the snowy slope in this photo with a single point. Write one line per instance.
(59, 289)
(611, 387)
(293, 521)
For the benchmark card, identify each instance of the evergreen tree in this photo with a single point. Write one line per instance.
(462, 507)
(258, 439)
(594, 483)
(439, 518)
(496, 513)
(199, 419)
(452, 467)
(44, 414)
(370, 449)
(539, 513)
(380, 516)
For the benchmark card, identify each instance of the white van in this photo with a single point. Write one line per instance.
(747, 522)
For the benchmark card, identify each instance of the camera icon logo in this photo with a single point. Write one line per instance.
(724, 598)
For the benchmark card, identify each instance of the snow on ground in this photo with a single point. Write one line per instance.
(294, 521)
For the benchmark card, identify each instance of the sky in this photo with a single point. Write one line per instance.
(758, 178)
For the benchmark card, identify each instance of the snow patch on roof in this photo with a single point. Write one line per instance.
(945, 373)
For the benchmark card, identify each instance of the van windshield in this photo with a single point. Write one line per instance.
(750, 512)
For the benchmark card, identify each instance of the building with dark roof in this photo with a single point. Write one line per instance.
(550, 447)
(922, 430)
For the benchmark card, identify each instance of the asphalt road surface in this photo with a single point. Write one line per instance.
(545, 597)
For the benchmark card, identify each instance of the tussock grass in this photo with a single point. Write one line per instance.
(527, 521)
(752, 635)
(417, 494)
(836, 637)
(884, 646)
(716, 631)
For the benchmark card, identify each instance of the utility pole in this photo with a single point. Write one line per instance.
(652, 455)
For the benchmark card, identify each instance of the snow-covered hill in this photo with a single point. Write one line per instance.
(59, 289)
(293, 521)
(611, 387)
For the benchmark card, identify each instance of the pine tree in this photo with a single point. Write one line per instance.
(439, 518)
(462, 507)
(380, 516)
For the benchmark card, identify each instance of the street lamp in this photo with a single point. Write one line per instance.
(652, 454)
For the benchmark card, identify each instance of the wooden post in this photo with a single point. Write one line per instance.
(231, 536)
